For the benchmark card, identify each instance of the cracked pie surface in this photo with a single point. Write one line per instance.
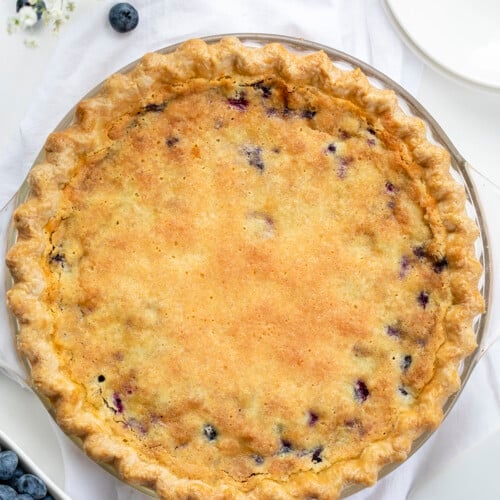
(244, 273)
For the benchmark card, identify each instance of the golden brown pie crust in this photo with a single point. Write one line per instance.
(244, 273)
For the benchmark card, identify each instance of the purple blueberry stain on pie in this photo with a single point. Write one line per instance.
(419, 252)
(361, 392)
(210, 432)
(423, 299)
(403, 391)
(371, 142)
(393, 331)
(172, 141)
(331, 148)
(308, 114)
(258, 459)
(312, 418)
(58, 258)
(406, 362)
(254, 157)
(404, 266)
(285, 447)
(440, 265)
(389, 187)
(343, 134)
(316, 457)
(239, 102)
(118, 403)
(265, 89)
(342, 167)
(154, 108)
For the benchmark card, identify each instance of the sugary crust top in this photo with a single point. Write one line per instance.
(244, 273)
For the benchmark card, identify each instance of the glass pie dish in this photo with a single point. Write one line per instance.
(412, 108)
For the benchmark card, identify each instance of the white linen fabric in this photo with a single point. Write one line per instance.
(90, 51)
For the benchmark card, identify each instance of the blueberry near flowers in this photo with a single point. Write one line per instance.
(123, 17)
(39, 6)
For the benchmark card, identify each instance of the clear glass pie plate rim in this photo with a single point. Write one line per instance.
(436, 135)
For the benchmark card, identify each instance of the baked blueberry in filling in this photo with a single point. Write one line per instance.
(118, 403)
(405, 364)
(316, 455)
(254, 157)
(285, 447)
(440, 265)
(240, 102)
(210, 432)
(423, 299)
(361, 392)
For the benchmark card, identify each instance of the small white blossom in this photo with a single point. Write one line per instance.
(54, 13)
(27, 17)
(31, 43)
(13, 24)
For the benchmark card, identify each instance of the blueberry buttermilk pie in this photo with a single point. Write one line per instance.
(244, 273)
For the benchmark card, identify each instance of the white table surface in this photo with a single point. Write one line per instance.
(471, 118)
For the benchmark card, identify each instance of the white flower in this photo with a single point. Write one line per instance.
(31, 43)
(56, 14)
(12, 24)
(27, 17)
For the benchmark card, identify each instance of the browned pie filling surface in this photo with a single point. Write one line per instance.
(246, 270)
(259, 282)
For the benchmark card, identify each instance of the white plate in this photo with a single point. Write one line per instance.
(458, 37)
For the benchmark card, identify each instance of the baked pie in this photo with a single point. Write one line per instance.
(244, 273)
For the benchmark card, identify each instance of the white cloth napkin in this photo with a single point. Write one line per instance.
(90, 50)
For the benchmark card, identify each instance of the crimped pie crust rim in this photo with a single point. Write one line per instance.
(190, 62)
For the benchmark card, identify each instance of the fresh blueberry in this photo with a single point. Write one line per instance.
(101, 378)
(7, 493)
(25, 496)
(361, 392)
(39, 6)
(210, 432)
(8, 464)
(48, 497)
(17, 474)
(123, 17)
(32, 485)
